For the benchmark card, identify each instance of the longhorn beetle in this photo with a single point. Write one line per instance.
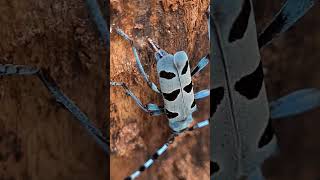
(242, 136)
(176, 88)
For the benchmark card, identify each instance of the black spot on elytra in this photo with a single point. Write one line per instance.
(188, 88)
(185, 68)
(250, 85)
(240, 25)
(216, 96)
(267, 135)
(193, 104)
(272, 30)
(171, 96)
(171, 115)
(167, 75)
(214, 168)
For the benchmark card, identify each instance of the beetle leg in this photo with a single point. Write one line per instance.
(201, 64)
(199, 125)
(73, 109)
(295, 103)
(60, 97)
(11, 69)
(152, 109)
(155, 110)
(96, 14)
(138, 62)
(202, 94)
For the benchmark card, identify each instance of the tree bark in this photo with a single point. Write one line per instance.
(135, 136)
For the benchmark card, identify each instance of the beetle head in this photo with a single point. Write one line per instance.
(180, 59)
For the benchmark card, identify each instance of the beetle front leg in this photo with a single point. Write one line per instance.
(138, 62)
(152, 109)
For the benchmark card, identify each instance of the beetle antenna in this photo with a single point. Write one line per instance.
(154, 45)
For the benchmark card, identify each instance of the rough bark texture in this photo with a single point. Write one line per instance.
(175, 25)
(39, 139)
(293, 63)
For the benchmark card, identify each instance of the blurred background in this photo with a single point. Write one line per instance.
(292, 63)
(39, 139)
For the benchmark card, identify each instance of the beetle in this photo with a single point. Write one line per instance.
(242, 136)
(176, 88)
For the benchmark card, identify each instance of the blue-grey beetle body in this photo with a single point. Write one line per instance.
(176, 89)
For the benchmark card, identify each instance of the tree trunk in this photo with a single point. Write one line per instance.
(135, 136)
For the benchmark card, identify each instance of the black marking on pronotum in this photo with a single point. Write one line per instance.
(216, 96)
(193, 104)
(267, 135)
(185, 68)
(167, 75)
(171, 96)
(214, 167)
(171, 115)
(250, 85)
(188, 87)
(272, 30)
(240, 25)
